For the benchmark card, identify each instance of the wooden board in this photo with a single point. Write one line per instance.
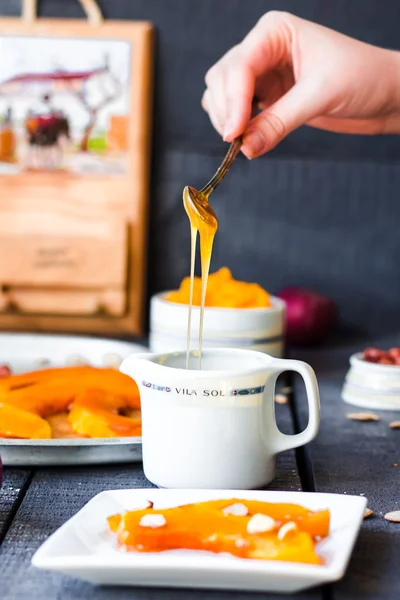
(72, 242)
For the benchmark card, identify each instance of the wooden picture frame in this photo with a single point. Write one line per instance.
(73, 224)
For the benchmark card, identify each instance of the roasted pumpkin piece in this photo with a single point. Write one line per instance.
(75, 379)
(239, 295)
(95, 398)
(99, 423)
(298, 548)
(113, 382)
(33, 377)
(42, 399)
(208, 527)
(102, 393)
(314, 522)
(18, 423)
(114, 522)
(223, 274)
(105, 410)
(182, 296)
(60, 426)
(223, 291)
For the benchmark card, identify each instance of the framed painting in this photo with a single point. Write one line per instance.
(75, 119)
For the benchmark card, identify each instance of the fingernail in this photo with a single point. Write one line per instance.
(254, 142)
(228, 129)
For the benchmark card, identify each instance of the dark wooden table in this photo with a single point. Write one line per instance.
(348, 457)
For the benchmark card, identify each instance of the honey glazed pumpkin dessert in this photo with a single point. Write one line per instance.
(248, 529)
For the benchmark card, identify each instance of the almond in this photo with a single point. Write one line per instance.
(146, 504)
(394, 425)
(368, 512)
(363, 416)
(260, 524)
(152, 521)
(124, 537)
(76, 361)
(393, 516)
(43, 362)
(237, 509)
(112, 361)
(287, 529)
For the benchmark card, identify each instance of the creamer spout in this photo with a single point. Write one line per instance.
(133, 364)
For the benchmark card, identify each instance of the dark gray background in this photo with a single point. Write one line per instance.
(322, 210)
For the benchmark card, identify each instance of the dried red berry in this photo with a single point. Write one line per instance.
(394, 353)
(373, 354)
(5, 371)
(385, 360)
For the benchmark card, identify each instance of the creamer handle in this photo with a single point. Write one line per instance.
(286, 442)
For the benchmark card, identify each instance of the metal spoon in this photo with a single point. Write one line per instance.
(199, 199)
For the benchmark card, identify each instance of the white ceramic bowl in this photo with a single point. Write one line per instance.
(371, 385)
(259, 329)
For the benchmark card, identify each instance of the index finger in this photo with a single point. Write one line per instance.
(239, 98)
(265, 47)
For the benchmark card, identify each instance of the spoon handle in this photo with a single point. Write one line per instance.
(228, 161)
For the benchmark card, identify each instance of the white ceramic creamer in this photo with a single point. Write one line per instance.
(215, 427)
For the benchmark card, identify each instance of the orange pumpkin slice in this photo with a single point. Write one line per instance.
(43, 399)
(33, 377)
(95, 414)
(316, 523)
(31, 397)
(74, 379)
(208, 526)
(18, 423)
(223, 291)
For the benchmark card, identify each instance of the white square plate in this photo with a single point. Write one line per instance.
(84, 548)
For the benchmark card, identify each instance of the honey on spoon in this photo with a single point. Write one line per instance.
(203, 221)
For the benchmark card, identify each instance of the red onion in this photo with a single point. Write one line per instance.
(309, 316)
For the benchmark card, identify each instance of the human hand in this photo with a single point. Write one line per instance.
(301, 73)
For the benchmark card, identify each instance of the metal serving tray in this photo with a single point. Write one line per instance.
(25, 352)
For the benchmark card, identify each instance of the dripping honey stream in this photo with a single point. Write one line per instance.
(204, 222)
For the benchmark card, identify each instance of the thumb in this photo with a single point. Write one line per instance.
(293, 109)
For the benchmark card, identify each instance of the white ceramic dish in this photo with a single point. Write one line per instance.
(25, 352)
(259, 329)
(371, 385)
(84, 548)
